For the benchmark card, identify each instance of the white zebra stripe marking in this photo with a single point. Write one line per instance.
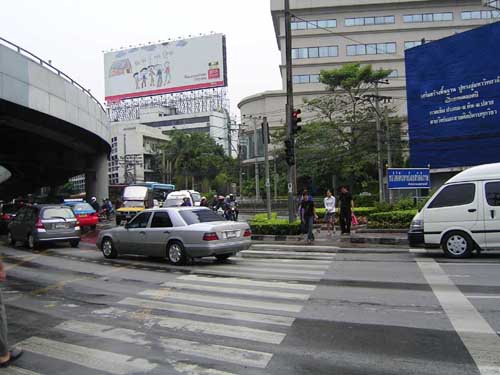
(104, 331)
(100, 360)
(216, 329)
(264, 270)
(218, 352)
(254, 275)
(11, 370)
(165, 293)
(255, 262)
(314, 262)
(237, 291)
(209, 312)
(247, 282)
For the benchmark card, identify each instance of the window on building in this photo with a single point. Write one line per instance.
(314, 52)
(428, 17)
(484, 14)
(371, 49)
(312, 24)
(393, 74)
(365, 21)
(305, 78)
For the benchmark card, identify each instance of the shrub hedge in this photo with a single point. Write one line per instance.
(392, 219)
(275, 227)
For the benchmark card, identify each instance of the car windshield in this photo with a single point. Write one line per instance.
(133, 204)
(199, 216)
(173, 202)
(82, 207)
(57, 213)
(196, 197)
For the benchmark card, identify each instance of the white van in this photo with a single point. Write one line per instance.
(463, 215)
(175, 198)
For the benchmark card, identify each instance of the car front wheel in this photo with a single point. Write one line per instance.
(32, 244)
(176, 253)
(457, 244)
(74, 243)
(108, 248)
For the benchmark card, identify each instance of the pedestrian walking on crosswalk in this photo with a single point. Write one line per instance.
(6, 356)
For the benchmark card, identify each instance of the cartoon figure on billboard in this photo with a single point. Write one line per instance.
(152, 75)
(144, 77)
(137, 80)
(159, 76)
(167, 72)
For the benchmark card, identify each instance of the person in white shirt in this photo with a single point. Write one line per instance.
(329, 203)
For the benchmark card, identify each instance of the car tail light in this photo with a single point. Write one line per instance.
(39, 224)
(247, 233)
(212, 236)
(6, 217)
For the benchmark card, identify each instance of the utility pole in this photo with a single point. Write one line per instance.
(289, 109)
(256, 151)
(265, 134)
(379, 147)
(389, 148)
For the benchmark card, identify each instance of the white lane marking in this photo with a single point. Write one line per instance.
(484, 297)
(247, 282)
(477, 335)
(191, 369)
(104, 331)
(292, 253)
(238, 291)
(204, 311)
(417, 251)
(11, 370)
(318, 263)
(264, 270)
(100, 360)
(250, 303)
(217, 352)
(257, 275)
(256, 263)
(283, 246)
(217, 329)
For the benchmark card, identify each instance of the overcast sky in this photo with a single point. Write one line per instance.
(73, 34)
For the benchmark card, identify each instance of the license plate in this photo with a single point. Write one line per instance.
(83, 215)
(231, 234)
(60, 226)
(128, 217)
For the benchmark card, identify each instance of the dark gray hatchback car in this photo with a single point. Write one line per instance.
(44, 223)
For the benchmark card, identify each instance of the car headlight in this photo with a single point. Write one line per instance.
(417, 225)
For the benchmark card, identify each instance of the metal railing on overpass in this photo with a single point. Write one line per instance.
(48, 65)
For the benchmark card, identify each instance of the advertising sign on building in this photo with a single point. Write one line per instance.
(453, 87)
(408, 178)
(180, 65)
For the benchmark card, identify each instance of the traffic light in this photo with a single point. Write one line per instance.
(289, 152)
(296, 119)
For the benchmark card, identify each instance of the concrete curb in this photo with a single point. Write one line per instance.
(354, 239)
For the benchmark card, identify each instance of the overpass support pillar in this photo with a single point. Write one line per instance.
(96, 179)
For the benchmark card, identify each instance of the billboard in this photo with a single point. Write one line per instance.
(180, 65)
(453, 93)
(408, 178)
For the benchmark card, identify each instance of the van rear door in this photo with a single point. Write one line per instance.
(455, 206)
(492, 214)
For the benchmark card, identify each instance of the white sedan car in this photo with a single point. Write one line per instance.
(177, 234)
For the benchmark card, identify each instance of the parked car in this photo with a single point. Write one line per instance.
(7, 214)
(85, 214)
(177, 234)
(463, 215)
(44, 223)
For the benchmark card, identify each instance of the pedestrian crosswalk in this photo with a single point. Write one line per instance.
(220, 319)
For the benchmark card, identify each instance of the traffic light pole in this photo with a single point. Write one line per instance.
(289, 109)
(265, 132)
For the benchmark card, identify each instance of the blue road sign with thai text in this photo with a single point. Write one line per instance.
(408, 178)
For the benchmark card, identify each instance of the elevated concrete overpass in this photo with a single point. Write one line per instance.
(51, 128)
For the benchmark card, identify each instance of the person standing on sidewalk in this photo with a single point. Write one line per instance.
(308, 214)
(329, 203)
(346, 205)
(7, 356)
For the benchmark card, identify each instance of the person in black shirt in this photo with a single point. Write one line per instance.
(346, 204)
(308, 214)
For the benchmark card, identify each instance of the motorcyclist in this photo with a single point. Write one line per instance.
(186, 202)
(215, 202)
(221, 205)
(94, 204)
(232, 203)
(203, 202)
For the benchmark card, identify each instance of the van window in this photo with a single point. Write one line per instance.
(493, 193)
(454, 195)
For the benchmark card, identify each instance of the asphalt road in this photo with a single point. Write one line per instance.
(281, 310)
